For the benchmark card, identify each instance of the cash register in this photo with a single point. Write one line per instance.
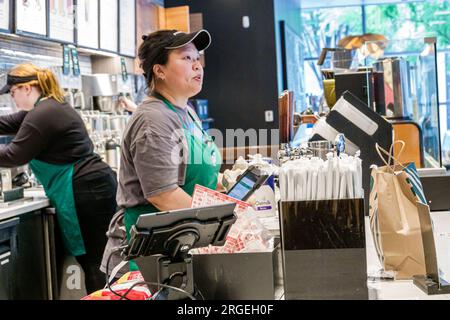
(160, 244)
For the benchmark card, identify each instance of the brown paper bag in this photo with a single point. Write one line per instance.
(394, 219)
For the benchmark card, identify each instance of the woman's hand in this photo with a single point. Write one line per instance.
(219, 186)
(171, 200)
(127, 104)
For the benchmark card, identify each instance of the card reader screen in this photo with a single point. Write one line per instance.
(242, 188)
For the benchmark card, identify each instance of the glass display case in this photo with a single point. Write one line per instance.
(403, 88)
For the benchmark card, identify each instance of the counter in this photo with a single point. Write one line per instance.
(388, 289)
(26, 248)
(36, 201)
(378, 290)
(399, 289)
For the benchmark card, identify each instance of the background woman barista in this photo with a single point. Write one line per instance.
(152, 178)
(52, 138)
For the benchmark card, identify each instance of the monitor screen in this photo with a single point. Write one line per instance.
(243, 187)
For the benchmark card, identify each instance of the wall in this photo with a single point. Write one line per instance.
(14, 50)
(241, 72)
(147, 21)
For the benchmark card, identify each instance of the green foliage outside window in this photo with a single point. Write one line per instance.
(324, 27)
(411, 21)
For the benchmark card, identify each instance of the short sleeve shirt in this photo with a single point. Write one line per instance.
(154, 152)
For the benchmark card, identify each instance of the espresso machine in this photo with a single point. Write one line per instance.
(393, 97)
(125, 85)
(101, 91)
(72, 87)
(105, 117)
(343, 73)
(392, 88)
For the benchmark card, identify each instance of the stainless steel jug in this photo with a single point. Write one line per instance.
(112, 149)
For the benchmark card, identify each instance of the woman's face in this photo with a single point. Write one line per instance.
(183, 73)
(23, 97)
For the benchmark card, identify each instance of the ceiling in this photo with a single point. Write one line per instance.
(308, 4)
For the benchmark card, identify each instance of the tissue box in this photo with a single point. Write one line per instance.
(238, 276)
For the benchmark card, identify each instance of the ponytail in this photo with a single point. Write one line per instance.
(49, 86)
(47, 83)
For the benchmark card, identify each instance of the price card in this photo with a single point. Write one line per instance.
(206, 197)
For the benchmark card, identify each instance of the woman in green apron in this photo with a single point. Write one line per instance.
(51, 137)
(165, 151)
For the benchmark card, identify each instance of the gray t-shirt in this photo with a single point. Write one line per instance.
(154, 152)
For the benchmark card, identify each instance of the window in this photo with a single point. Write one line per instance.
(410, 21)
(323, 27)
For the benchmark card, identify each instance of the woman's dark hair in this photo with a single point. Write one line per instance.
(152, 51)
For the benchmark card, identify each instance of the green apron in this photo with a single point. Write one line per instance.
(204, 172)
(57, 182)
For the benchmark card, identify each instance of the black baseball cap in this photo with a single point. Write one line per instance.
(14, 80)
(201, 39)
(172, 39)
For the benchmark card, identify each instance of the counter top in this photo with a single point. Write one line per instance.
(34, 200)
(401, 289)
(393, 289)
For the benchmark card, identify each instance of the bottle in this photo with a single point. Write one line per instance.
(263, 200)
(112, 154)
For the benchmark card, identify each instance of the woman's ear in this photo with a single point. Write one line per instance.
(158, 71)
(27, 88)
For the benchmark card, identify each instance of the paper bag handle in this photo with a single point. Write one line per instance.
(390, 154)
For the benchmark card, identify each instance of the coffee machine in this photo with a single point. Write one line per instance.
(101, 90)
(72, 86)
(392, 88)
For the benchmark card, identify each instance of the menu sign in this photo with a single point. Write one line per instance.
(31, 16)
(4, 14)
(87, 23)
(109, 17)
(127, 29)
(62, 20)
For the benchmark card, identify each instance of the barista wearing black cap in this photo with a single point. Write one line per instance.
(165, 151)
(51, 137)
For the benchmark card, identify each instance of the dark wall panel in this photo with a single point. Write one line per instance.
(241, 64)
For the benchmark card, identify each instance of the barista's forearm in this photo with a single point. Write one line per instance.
(219, 186)
(171, 200)
(10, 124)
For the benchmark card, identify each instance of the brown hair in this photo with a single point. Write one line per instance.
(47, 83)
(152, 51)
